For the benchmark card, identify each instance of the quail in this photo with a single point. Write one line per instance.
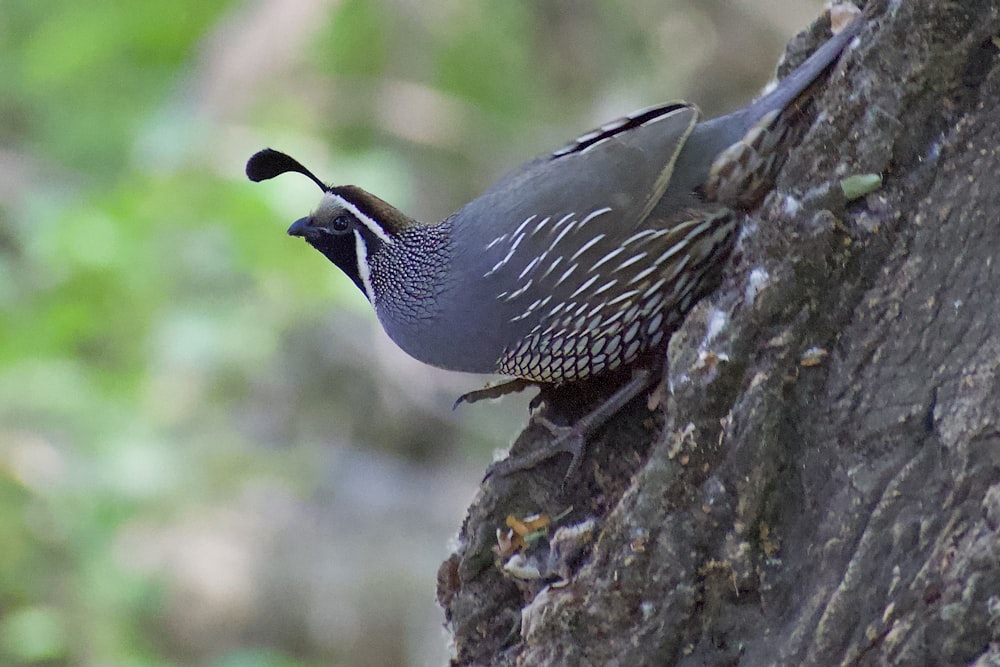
(575, 264)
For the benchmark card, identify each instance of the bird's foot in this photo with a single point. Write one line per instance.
(573, 439)
(570, 440)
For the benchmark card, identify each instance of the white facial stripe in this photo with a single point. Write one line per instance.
(364, 219)
(361, 251)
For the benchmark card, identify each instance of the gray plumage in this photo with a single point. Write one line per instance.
(577, 262)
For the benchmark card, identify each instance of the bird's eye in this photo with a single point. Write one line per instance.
(341, 223)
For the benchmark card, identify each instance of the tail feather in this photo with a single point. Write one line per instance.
(752, 142)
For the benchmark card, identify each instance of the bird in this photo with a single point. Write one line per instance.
(575, 264)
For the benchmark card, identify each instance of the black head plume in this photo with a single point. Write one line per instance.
(269, 163)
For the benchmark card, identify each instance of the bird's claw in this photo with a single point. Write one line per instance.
(567, 440)
(493, 391)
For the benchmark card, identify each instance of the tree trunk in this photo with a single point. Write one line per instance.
(821, 485)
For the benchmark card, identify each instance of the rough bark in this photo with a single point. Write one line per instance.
(822, 484)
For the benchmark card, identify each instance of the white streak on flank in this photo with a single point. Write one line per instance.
(361, 254)
(606, 286)
(566, 230)
(496, 241)
(524, 224)
(540, 225)
(496, 267)
(583, 288)
(654, 288)
(629, 262)
(640, 235)
(671, 251)
(514, 295)
(555, 310)
(521, 316)
(680, 286)
(538, 303)
(607, 258)
(679, 268)
(642, 274)
(594, 214)
(562, 220)
(372, 226)
(513, 247)
(502, 262)
(624, 296)
(552, 266)
(565, 275)
(532, 264)
(586, 246)
(610, 321)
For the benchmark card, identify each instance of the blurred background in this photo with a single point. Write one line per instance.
(209, 453)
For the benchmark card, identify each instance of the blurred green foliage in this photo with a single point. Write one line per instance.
(163, 349)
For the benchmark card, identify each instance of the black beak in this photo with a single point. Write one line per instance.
(300, 227)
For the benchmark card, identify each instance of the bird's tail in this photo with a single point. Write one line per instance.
(749, 145)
